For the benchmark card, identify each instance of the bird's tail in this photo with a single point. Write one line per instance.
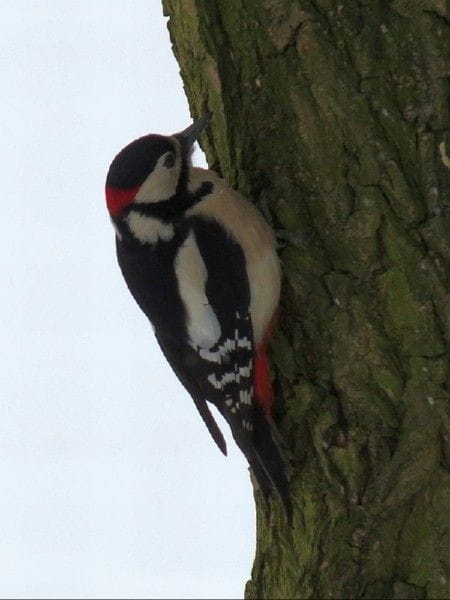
(272, 471)
(266, 439)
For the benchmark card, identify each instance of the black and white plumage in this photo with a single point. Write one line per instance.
(201, 263)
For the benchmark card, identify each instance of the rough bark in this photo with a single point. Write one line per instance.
(335, 116)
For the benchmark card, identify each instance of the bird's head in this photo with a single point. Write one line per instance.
(151, 169)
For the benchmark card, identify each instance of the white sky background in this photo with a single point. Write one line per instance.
(110, 484)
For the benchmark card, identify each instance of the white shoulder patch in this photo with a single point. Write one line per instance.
(203, 326)
(149, 230)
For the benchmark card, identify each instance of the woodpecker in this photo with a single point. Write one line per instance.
(201, 263)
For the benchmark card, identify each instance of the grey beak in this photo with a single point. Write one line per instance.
(189, 135)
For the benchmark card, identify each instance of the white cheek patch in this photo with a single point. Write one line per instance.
(162, 182)
(149, 230)
(203, 326)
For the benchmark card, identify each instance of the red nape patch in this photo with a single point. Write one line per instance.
(117, 199)
(262, 384)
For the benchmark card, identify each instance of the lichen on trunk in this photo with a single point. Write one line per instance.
(335, 116)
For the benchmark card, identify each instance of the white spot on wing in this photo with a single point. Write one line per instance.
(207, 355)
(245, 397)
(216, 355)
(246, 371)
(245, 343)
(227, 346)
(214, 382)
(228, 378)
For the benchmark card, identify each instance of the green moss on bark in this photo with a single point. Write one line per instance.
(335, 117)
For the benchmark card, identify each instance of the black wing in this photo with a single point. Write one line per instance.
(230, 372)
(222, 372)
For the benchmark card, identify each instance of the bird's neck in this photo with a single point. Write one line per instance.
(156, 222)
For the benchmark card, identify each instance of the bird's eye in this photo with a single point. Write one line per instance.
(169, 161)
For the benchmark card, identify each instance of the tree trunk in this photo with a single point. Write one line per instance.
(334, 115)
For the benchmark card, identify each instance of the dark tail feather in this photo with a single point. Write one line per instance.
(172, 353)
(271, 459)
(211, 424)
(259, 476)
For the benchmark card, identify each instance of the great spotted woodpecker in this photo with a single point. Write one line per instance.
(201, 263)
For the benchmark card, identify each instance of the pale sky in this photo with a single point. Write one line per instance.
(111, 486)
